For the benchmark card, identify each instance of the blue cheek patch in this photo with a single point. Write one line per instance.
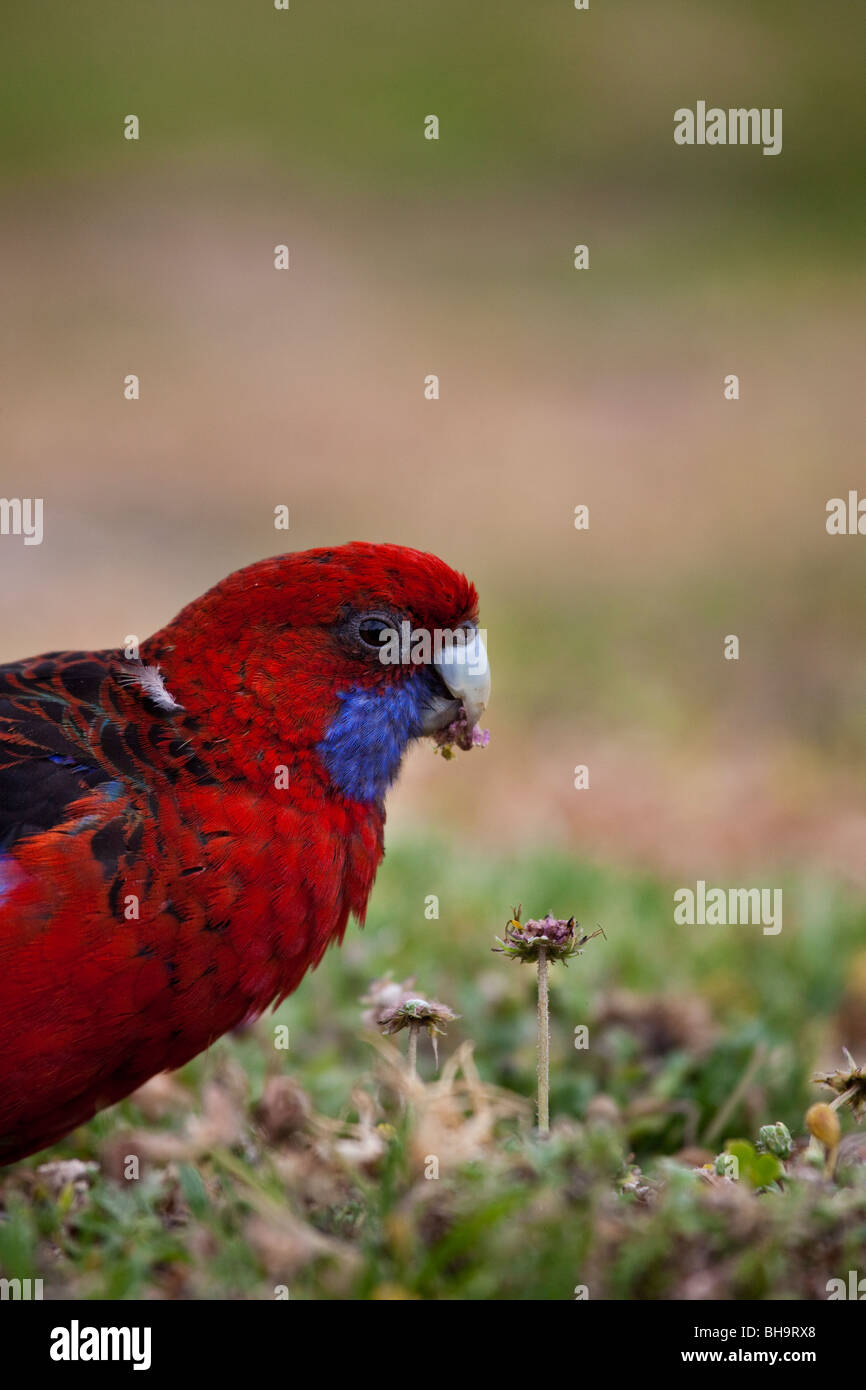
(365, 743)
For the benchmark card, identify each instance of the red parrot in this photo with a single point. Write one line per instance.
(182, 834)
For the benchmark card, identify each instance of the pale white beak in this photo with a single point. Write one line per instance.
(466, 671)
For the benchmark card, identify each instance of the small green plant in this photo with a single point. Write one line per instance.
(743, 1161)
(775, 1139)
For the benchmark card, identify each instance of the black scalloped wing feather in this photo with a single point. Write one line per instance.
(63, 734)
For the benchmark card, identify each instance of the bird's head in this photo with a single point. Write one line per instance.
(331, 660)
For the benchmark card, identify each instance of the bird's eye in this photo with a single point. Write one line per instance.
(374, 630)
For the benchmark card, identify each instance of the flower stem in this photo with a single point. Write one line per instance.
(543, 1044)
(846, 1095)
(412, 1052)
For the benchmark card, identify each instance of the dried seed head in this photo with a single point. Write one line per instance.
(418, 1013)
(460, 734)
(384, 994)
(426, 1013)
(849, 1082)
(560, 937)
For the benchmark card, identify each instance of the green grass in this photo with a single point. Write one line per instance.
(681, 1019)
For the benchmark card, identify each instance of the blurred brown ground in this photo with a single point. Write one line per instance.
(306, 388)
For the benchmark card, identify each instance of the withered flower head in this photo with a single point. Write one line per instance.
(418, 1013)
(426, 1013)
(560, 938)
(460, 734)
(849, 1083)
(384, 994)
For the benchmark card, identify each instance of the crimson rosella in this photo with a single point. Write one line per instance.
(184, 830)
